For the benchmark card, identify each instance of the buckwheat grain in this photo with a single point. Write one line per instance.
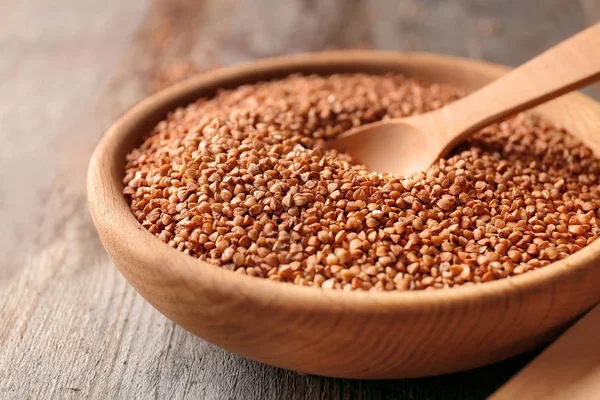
(243, 181)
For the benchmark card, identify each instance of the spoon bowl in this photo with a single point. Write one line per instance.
(405, 136)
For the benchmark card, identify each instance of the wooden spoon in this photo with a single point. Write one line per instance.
(568, 369)
(407, 145)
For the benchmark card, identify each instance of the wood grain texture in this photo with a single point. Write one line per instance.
(70, 325)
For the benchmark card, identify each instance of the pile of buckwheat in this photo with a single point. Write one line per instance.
(242, 180)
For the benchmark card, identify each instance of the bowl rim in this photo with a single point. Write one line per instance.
(119, 229)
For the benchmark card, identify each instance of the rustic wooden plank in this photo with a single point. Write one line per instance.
(57, 302)
(71, 326)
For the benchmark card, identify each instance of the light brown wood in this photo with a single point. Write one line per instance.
(403, 146)
(569, 369)
(358, 335)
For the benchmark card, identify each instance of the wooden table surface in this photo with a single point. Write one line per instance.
(70, 325)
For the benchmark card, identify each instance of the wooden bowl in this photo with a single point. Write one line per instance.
(334, 333)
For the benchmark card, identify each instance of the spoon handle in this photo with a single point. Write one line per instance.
(570, 65)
